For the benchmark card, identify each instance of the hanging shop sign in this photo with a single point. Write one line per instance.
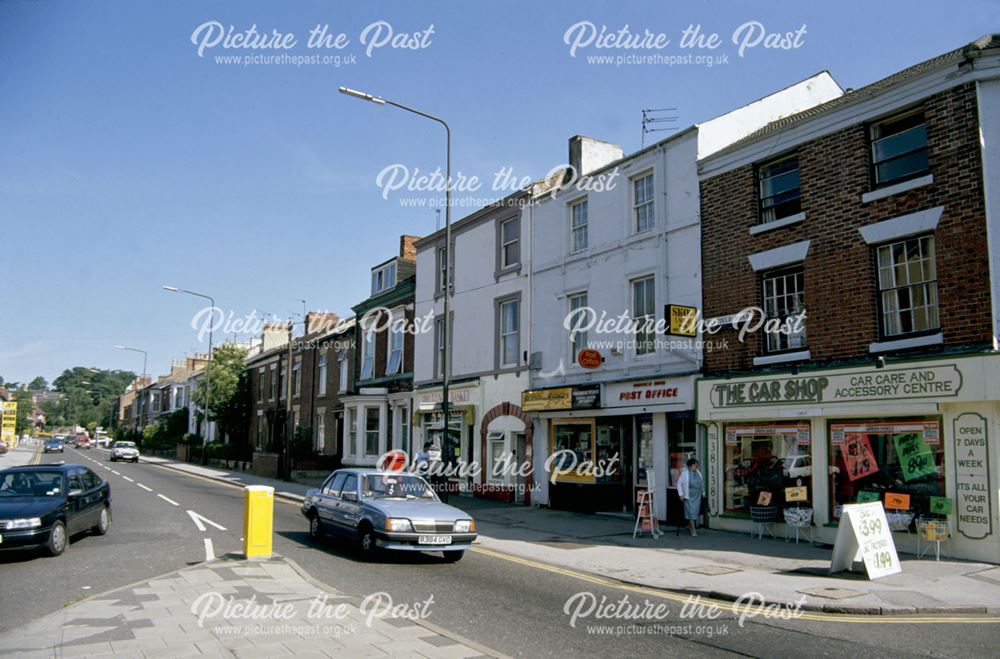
(896, 501)
(681, 320)
(931, 382)
(858, 456)
(582, 397)
(864, 535)
(972, 476)
(589, 358)
(799, 493)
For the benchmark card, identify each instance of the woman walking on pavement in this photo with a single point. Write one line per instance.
(690, 487)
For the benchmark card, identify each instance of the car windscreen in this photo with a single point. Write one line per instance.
(31, 484)
(393, 486)
(124, 445)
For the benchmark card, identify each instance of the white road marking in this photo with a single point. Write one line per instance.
(128, 479)
(144, 487)
(209, 550)
(198, 519)
(115, 472)
(168, 500)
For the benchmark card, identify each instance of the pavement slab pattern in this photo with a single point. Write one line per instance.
(231, 607)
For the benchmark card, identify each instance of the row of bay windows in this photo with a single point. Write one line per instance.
(366, 425)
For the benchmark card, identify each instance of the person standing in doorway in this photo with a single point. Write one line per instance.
(690, 488)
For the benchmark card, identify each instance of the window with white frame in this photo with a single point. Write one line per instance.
(260, 384)
(439, 329)
(395, 337)
(259, 444)
(368, 354)
(283, 382)
(156, 402)
(404, 427)
(642, 202)
(274, 380)
(784, 309)
(510, 242)
(907, 279)
(644, 314)
(344, 375)
(578, 226)
(577, 338)
(509, 335)
(322, 374)
(778, 182)
(899, 149)
(352, 430)
(442, 256)
(297, 379)
(384, 278)
(371, 431)
(320, 444)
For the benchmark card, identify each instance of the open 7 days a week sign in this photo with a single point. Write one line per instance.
(863, 535)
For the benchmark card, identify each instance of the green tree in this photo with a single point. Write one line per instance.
(229, 398)
(89, 395)
(38, 384)
(25, 413)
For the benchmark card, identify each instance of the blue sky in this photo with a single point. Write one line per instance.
(128, 161)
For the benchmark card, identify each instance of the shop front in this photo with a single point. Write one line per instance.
(598, 444)
(455, 444)
(918, 436)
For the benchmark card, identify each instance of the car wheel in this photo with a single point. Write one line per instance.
(136, 461)
(367, 545)
(453, 556)
(104, 521)
(57, 539)
(315, 526)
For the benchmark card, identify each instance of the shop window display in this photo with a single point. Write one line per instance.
(871, 459)
(765, 459)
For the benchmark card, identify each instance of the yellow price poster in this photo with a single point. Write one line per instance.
(8, 426)
(682, 320)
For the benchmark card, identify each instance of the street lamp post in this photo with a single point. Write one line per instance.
(446, 332)
(208, 367)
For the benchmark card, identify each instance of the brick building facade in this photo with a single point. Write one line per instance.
(858, 236)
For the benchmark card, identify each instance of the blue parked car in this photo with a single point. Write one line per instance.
(387, 510)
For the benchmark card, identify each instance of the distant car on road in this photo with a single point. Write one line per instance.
(382, 510)
(124, 451)
(83, 442)
(3, 448)
(44, 505)
(53, 445)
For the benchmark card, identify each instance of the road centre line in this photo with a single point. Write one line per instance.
(168, 500)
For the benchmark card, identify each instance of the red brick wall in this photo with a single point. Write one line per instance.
(839, 272)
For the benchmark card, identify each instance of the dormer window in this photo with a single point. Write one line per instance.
(383, 277)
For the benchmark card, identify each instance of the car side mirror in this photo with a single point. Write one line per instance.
(349, 496)
(75, 493)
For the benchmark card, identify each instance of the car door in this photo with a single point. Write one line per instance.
(76, 508)
(329, 500)
(93, 496)
(349, 510)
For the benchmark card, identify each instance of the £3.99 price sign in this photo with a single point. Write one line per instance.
(864, 535)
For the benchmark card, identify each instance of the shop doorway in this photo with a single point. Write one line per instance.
(643, 433)
(520, 456)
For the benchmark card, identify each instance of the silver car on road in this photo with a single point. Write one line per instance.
(387, 510)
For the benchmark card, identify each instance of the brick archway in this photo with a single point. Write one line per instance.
(508, 409)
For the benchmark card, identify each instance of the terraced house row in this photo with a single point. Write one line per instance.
(835, 253)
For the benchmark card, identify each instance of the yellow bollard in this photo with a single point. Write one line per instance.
(258, 519)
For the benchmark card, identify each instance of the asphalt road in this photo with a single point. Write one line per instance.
(513, 606)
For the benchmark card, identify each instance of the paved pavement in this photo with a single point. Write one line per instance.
(235, 608)
(717, 564)
(22, 454)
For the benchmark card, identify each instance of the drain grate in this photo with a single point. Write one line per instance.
(712, 570)
(833, 593)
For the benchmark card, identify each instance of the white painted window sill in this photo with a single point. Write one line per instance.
(903, 344)
(905, 186)
(777, 224)
(801, 355)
